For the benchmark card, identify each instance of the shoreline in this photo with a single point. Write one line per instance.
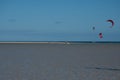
(58, 42)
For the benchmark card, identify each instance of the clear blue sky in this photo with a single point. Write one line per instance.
(59, 20)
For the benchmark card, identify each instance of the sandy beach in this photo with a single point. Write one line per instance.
(53, 61)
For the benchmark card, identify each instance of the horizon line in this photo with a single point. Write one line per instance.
(55, 42)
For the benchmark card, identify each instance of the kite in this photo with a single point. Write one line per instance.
(111, 21)
(93, 28)
(100, 35)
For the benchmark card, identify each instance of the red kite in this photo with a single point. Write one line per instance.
(111, 21)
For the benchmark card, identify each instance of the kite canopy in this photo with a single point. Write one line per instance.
(100, 35)
(93, 28)
(111, 21)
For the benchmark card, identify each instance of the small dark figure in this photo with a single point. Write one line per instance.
(93, 28)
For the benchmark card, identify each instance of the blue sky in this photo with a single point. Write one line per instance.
(59, 20)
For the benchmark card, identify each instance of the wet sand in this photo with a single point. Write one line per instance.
(45, 61)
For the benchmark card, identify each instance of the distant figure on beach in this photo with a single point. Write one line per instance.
(100, 35)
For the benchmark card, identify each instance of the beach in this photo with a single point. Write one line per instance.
(59, 61)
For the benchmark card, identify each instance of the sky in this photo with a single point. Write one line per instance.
(59, 20)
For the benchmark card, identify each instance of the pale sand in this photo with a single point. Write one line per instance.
(85, 61)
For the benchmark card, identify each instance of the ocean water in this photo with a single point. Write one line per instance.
(53, 61)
